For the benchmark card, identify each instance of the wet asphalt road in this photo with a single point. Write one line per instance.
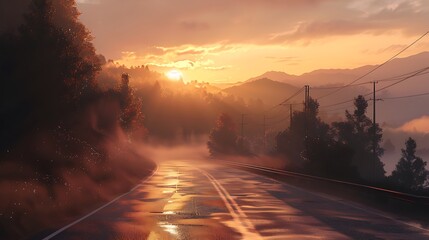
(185, 200)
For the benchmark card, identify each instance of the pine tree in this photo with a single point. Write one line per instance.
(410, 172)
(310, 144)
(358, 133)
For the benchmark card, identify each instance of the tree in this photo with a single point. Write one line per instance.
(58, 50)
(358, 132)
(131, 117)
(305, 127)
(310, 144)
(223, 139)
(410, 172)
(47, 68)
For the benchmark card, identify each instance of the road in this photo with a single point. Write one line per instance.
(186, 200)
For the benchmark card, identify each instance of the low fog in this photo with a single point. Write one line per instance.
(79, 129)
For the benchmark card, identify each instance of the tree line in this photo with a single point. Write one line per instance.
(58, 125)
(347, 150)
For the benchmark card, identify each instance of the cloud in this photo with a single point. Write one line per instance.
(190, 52)
(418, 125)
(217, 68)
(189, 49)
(181, 57)
(405, 17)
(182, 64)
(202, 22)
(287, 60)
(233, 33)
(194, 26)
(130, 58)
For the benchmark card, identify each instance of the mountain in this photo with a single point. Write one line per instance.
(323, 77)
(273, 87)
(269, 91)
(276, 76)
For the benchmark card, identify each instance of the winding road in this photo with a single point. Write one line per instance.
(189, 200)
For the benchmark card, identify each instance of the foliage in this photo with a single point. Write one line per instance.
(410, 172)
(47, 68)
(310, 145)
(223, 139)
(357, 131)
(61, 145)
(305, 127)
(131, 117)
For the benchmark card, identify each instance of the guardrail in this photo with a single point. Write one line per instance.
(405, 197)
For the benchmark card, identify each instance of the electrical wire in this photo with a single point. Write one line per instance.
(294, 95)
(376, 68)
(421, 72)
(287, 99)
(416, 73)
(407, 96)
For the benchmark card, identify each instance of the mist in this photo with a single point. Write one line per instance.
(79, 128)
(75, 169)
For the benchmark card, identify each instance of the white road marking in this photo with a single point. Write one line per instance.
(247, 229)
(98, 209)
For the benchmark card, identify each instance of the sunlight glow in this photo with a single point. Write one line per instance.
(169, 227)
(174, 75)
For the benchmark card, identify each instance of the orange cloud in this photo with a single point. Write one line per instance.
(419, 125)
(227, 40)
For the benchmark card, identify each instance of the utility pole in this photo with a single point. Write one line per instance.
(306, 92)
(242, 125)
(306, 105)
(308, 96)
(290, 113)
(264, 140)
(374, 144)
(373, 119)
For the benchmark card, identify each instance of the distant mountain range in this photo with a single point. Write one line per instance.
(273, 87)
(324, 77)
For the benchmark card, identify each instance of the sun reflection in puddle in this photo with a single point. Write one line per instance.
(168, 227)
(168, 212)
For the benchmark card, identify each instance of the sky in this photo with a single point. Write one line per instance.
(229, 41)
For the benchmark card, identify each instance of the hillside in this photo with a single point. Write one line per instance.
(269, 91)
(411, 107)
(322, 77)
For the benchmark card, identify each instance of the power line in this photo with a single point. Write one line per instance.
(337, 109)
(339, 103)
(287, 99)
(407, 96)
(377, 67)
(405, 78)
(388, 79)
(415, 73)
(386, 98)
(336, 87)
(294, 95)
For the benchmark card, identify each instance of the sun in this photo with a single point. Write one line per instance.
(174, 75)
